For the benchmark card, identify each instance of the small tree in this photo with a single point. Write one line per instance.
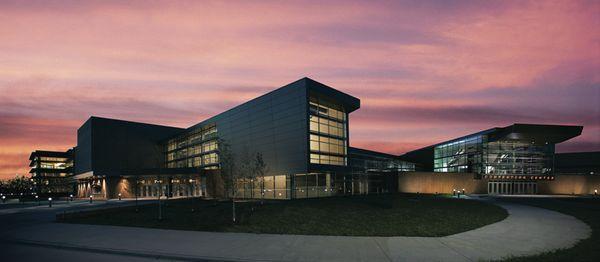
(259, 169)
(245, 170)
(228, 172)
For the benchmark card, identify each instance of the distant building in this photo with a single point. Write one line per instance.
(52, 172)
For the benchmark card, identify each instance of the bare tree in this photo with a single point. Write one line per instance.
(245, 170)
(259, 169)
(229, 173)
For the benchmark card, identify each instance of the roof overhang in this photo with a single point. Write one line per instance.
(552, 134)
(84, 175)
(349, 102)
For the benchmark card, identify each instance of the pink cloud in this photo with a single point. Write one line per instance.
(425, 71)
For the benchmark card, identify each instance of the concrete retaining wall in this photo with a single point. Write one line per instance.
(570, 184)
(432, 182)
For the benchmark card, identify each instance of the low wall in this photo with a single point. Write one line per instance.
(570, 184)
(432, 182)
(124, 186)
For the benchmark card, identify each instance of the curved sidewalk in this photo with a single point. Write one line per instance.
(526, 231)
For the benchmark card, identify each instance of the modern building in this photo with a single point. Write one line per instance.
(300, 131)
(52, 172)
(375, 172)
(510, 159)
(294, 142)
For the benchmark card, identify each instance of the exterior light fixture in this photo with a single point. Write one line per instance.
(595, 192)
(49, 202)
(3, 199)
(91, 197)
(119, 196)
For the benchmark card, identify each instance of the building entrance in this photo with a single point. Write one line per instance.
(512, 188)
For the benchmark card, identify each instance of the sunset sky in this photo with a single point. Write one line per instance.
(425, 71)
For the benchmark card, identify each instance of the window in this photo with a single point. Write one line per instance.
(186, 151)
(327, 127)
(209, 159)
(209, 146)
(327, 145)
(327, 159)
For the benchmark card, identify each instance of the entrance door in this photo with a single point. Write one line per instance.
(512, 188)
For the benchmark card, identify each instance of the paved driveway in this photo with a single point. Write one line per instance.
(527, 230)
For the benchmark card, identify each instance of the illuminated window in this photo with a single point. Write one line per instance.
(327, 127)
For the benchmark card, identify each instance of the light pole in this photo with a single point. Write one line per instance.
(159, 209)
(91, 197)
(192, 194)
(37, 199)
(3, 199)
(595, 192)
(119, 196)
(159, 204)
(49, 202)
(137, 185)
(71, 197)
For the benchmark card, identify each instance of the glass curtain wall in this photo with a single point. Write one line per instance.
(380, 165)
(328, 137)
(176, 186)
(504, 157)
(518, 158)
(195, 149)
(463, 155)
(267, 187)
(51, 174)
(314, 185)
(310, 185)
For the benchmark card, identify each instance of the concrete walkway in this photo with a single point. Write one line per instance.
(526, 231)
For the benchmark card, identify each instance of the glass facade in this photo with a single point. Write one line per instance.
(372, 164)
(51, 172)
(464, 155)
(517, 158)
(267, 187)
(195, 149)
(328, 132)
(497, 158)
(309, 185)
(177, 186)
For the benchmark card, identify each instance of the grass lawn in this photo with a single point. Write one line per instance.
(383, 215)
(585, 209)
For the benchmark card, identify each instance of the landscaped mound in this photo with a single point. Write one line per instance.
(380, 215)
